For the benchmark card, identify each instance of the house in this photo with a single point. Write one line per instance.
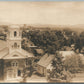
(13, 59)
(45, 63)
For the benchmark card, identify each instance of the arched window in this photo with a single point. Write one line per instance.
(15, 33)
(15, 45)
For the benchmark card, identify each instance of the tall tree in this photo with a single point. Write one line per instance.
(58, 65)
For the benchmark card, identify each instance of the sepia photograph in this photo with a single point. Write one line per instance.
(41, 42)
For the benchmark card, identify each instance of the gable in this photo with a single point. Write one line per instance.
(15, 55)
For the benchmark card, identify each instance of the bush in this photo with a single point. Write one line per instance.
(64, 75)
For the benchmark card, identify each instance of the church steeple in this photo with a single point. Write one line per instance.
(14, 38)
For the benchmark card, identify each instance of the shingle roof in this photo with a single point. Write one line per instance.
(3, 44)
(46, 60)
(3, 48)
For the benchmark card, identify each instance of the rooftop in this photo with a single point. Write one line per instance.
(3, 44)
(46, 60)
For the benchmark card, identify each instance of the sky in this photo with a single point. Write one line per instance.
(54, 13)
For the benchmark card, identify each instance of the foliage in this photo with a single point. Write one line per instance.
(64, 75)
(73, 63)
(58, 70)
(28, 70)
(52, 40)
(57, 63)
(49, 41)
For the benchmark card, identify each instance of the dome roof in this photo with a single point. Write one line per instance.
(14, 26)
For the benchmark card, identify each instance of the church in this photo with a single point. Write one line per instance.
(13, 59)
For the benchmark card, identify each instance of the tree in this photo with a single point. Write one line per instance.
(58, 66)
(59, 71)
(48, 40)
(73, 63)
(28, 70)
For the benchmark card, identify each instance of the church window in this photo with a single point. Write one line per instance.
(15, 45)
(14, 64)
(15, 33)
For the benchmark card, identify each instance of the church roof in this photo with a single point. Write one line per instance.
(18, 54)
(3, 44)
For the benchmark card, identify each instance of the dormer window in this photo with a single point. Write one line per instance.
(15, 33)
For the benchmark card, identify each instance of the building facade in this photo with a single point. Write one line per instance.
(13, 59)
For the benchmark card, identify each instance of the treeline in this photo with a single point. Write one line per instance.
(52, 40)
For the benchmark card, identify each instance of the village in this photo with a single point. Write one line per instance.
(28, 55)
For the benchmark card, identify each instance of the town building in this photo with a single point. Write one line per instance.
(13, 59)
(45, 64)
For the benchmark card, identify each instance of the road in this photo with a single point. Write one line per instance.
(78, 78)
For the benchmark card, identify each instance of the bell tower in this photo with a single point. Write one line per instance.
(14, 38)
